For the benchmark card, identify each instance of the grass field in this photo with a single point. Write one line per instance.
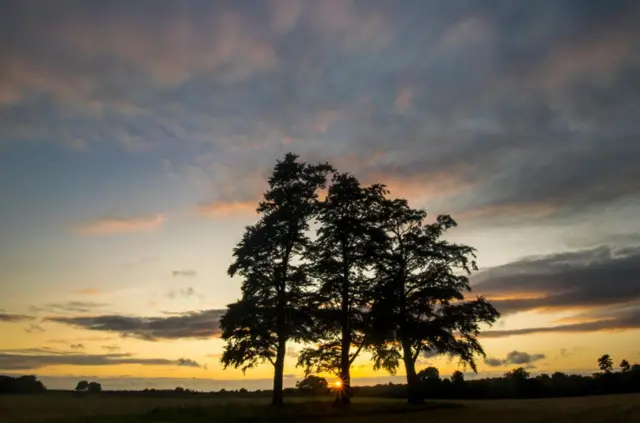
(59, 407)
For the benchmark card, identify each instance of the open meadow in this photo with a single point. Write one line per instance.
(62, 407)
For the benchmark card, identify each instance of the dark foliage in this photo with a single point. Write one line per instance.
(516, 383)
(340, 260)
(21, 385)
(91, 387)
(421, 307)
(274, 307)
(313, 385)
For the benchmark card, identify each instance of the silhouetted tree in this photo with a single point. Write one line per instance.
(457, 378)
(314, 385)
(421, 306)
(94, 387)
(458, 384)
(274, 306)
(27, 384)
(341, 256)
(517, 374)
(625, 366)
(82, 386)
(605, 363)
(429, 374)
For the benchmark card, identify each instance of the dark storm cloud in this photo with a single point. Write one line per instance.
(14, 318)
(195, 324)
(38, 359)
(515, 358)
(487, 108)
(589, 278)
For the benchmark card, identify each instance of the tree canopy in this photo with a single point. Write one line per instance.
(374, 276)
(340, 259)
(274, 304)
(422, 281)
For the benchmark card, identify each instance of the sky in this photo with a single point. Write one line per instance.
(136, 139)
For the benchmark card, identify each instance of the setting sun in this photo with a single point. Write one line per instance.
(338, 384)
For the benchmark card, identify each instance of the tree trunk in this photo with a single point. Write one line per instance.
(344, 393)
(276, 399)
(414, 394)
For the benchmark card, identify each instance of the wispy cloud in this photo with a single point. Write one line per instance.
(34, 328)
(220, 208)
(627, 318)
(69, 307)
(184, 293)
(89, 291)
(111, 348)
(187, 273)
(36, 359)
(14, 318)
(109, 226)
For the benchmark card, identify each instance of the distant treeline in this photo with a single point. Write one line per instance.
(517, 383)
(20, 385)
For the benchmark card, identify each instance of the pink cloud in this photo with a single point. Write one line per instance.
(404, 98)
(466, 31)
(221, 208)
(129, 225)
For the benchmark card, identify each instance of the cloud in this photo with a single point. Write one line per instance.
(195, 324)
(625, 318)
(184, 293)
(111, 348)
(89, 291)
(69, 307)
(117, 226)
(515, 358)
(187, 273)
(36, 359)
(76, 346)
(589, 278)
(536, 127)
(34, 328)
(14, 318)
(187, 362)
(218, 208)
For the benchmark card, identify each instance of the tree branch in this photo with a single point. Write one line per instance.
(355, 354)
(415, 356)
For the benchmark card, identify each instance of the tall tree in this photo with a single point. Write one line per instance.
(625, 366)
(274, 306)
(341, 256)
(605, 363)
(420, 306)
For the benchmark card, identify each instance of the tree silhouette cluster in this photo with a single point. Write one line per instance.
(373, 275)
(90, 387)
(21, 385)
(518, 383)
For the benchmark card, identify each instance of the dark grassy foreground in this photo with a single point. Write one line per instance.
(119, 409)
